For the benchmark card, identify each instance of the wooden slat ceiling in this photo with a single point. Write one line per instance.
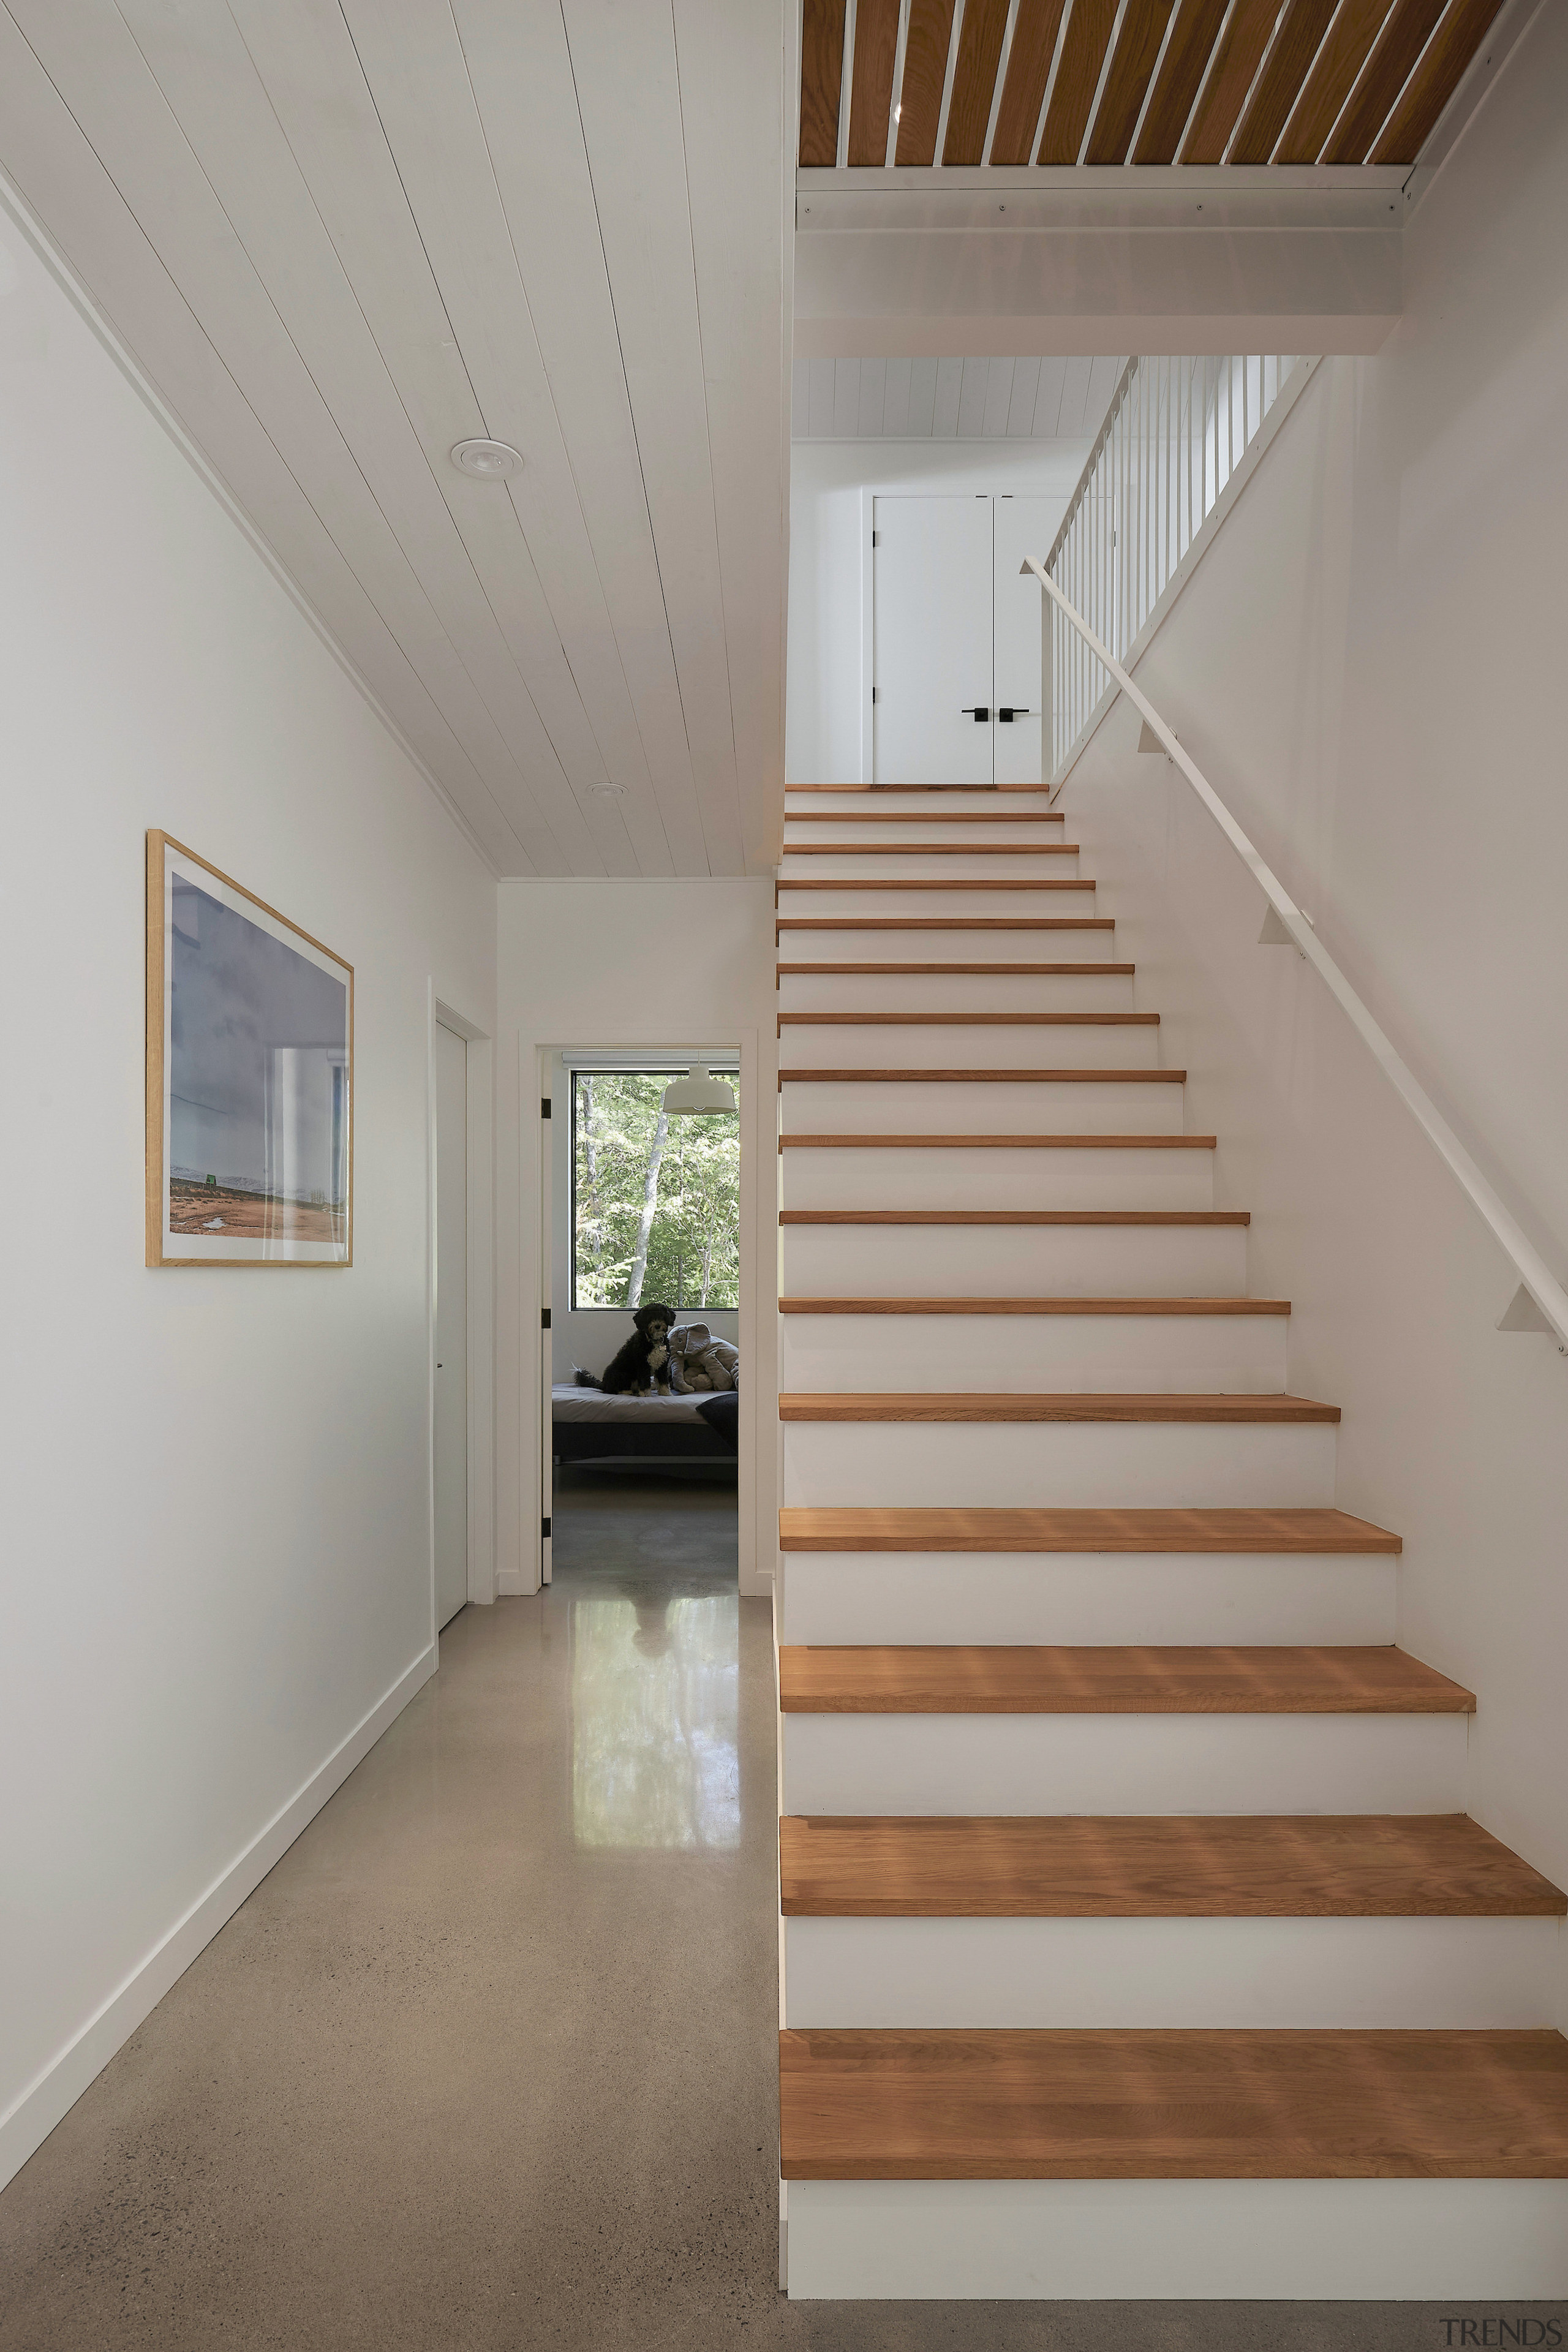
(340, 236)
(1140, 81)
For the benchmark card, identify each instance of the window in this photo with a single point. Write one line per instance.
(656, 1201)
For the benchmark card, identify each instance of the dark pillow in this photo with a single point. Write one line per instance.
(722, 1412)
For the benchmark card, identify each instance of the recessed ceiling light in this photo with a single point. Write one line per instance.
(491, 461)
(607, 791)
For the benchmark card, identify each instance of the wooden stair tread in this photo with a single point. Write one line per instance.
(1029, 1678)
(983, 1077)
(952, 923)
(1042, 2104)
(1222, 1529)
(1015, 1217)
(945, 1142)
(980, 791)
(950, 1306)
(931, 848)
(929, 882)
(1158, 1866)
(924, 816)
(1006, 971)
(1064, 1404)
(968, 1021)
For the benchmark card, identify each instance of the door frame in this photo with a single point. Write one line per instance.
(480, 1368)
(759, 1167)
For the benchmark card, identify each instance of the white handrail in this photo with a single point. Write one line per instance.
(1532, 1270)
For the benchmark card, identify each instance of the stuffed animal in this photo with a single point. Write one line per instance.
(703, 1361)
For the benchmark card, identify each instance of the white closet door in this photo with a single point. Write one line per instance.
(451, 1324)
(930, 572)
(1022, 527)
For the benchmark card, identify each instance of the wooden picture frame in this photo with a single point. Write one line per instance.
(250, 1028)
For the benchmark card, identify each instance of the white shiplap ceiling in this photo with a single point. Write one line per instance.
(952, 400)
(340, 236)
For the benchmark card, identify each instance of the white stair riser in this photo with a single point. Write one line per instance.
(1123, 1764)
(1500, 2241)
(1092, 1465)
(953, 900)
(1013, 1261)
(933, 1045)
(1140, 1354)
(962, 992)
(912, 1177)
(898, 826)
(983, 1107)
(914, 865)
(1428, 1974)
(958, 801)
(1229, 1598)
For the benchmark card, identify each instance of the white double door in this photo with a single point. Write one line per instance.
(957, 639)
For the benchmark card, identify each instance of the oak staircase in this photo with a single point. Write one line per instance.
(1136, 1938)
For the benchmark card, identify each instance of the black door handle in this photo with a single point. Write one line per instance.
(981, 711)
(1007, 711)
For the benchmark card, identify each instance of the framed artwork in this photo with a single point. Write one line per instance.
(250, 1040)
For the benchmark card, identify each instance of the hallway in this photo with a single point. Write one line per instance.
(488, 2061)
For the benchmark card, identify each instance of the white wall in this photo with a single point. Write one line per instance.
(632, 964)
(590, 1336)
(825, 688)
(217, 1564)
(1368, 666)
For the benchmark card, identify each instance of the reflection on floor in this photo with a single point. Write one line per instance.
(647, 1565)
(489, 2062)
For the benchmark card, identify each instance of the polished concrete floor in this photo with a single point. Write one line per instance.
(488, 2061)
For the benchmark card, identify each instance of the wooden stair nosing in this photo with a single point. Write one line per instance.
(945, 923)
(1154, 1866)
(981, 791)
(1072, 1679)
(931, 848)
(924, 816)
(1005, 971)
(1221, 1529)
(1023, 2104)
(1015, 1217)
(985, 1077)
(945, 1142)
(928, 882)
(1232, 1409)
(967, 1020)
(957, 1306)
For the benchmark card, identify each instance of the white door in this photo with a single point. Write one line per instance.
(930, 625)
(1020, 526)
(451, 1324)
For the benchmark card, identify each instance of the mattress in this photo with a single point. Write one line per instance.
(590, 1426)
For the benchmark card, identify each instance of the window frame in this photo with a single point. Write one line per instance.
(727, 1068)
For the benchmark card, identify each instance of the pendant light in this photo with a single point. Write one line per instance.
(700, 1091)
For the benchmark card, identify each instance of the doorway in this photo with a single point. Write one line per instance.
(640, 1210)
(451, 1436)
(957, 639)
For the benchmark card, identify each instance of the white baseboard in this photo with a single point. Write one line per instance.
(29, 2121)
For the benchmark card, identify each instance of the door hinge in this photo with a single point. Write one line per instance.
(544, 1318)
(873, 694)
(544, 1105)
(875, 538)
(545, 1527)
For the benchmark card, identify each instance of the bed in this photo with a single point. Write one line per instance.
(589, 1427)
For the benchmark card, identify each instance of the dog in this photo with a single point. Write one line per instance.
(644, 1365)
